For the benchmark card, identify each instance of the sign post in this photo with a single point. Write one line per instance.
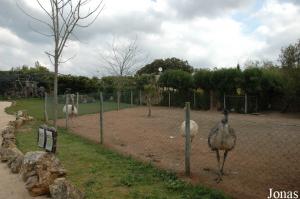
(47, 138)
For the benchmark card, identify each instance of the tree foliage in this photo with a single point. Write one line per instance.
(166, 64)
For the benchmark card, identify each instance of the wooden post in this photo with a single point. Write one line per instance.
(77, 102)
(67, 110)
(169, 99)
(101, 118)
(187, 140)
(224, 101)
(131, 98)
(45, 109)
(246, 103)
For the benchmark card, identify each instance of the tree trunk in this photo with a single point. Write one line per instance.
(55, 92)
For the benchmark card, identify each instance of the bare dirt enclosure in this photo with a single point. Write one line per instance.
(267, 153)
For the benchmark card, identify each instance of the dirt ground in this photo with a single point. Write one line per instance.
(267, 152)
(11, 185)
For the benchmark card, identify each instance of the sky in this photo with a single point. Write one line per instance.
(208, 34)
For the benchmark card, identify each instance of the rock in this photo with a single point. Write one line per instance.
(62, 189)
(8, 137)
(39, 170)
(18, 123)
(15, 164)
(21, 113)
(8, 154)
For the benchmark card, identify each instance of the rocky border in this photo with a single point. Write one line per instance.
(41, 171)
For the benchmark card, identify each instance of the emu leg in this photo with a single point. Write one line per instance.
(219, 169)
(224, 159)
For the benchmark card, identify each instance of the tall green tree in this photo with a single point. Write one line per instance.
(166, 64)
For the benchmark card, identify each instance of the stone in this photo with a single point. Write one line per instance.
(18, 123)
(15, 163)
(8, 154)
(62, 189)
(39, 170)
(8, 137)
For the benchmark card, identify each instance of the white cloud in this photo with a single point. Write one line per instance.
(203, 32)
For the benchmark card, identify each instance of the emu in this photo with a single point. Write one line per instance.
(222, 137)
(193, 127)
(72, 110)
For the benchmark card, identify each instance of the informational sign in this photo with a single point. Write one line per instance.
(41, 137)
(47, 138)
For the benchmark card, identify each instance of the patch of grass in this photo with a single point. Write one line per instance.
(102, 173)
(35, 108)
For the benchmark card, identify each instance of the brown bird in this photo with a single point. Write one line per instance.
(222, 137)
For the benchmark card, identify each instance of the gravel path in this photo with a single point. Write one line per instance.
(11, 185)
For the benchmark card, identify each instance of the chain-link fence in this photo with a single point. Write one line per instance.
(266, 154)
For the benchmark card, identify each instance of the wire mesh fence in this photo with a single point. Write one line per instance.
(266, 154)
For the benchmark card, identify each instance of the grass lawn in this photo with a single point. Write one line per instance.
(35, 108)
(102, 173)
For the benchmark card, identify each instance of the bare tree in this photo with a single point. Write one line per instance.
(123, 59)
(63, 17)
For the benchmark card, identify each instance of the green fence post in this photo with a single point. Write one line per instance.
(187, 139)
(45, 108)
(101, 118)
(67, 110)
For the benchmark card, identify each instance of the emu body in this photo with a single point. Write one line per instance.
(193, 129)
(222, 137)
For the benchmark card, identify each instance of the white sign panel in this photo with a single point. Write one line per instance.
(41, 138)
(49, 143)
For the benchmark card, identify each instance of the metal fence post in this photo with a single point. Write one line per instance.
(45, 109)
(169, 99)
(194, 93)
(101, 118)
(140, 96)
(187, 139)
(67, 110)
(246, 103)
(224, 101)
(77, 102)
(256, 105)
(131, 98)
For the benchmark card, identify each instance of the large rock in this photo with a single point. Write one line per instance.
(39, 170)
(15, 163)
(62, 189)
(8, 137)
(9, 154)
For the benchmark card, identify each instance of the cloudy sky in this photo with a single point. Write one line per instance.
(215, 33)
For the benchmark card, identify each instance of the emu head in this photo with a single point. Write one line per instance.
(225, 119)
